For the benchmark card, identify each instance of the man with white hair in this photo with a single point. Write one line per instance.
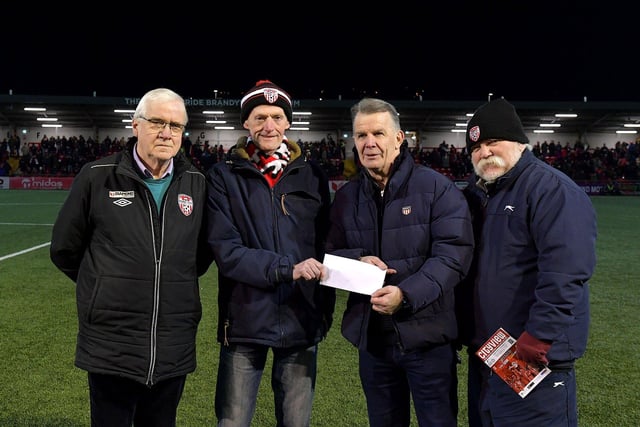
(535, 232)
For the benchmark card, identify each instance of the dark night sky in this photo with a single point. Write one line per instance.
(560, 51)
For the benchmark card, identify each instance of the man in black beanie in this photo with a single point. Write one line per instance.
(535, 233)
(268, 218)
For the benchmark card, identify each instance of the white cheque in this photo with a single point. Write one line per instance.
(352, 275)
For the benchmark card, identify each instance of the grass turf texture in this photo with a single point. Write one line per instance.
(41, 387)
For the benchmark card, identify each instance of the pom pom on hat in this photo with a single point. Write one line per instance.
(497, 119)
(265, 93)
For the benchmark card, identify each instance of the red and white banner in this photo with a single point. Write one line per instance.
(36, 183)
(593, 188)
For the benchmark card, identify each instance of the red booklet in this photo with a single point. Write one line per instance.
(499, 353)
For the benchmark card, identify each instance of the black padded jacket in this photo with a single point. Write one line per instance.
(136, 268)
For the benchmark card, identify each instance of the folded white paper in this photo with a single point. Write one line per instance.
(352, 275)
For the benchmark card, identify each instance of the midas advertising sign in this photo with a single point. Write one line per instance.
(35, 183)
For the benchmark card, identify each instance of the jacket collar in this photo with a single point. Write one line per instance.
(400, 172)
(180, 161)
(508, 178)
(239, 151)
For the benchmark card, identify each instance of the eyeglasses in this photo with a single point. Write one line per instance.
(159, 125)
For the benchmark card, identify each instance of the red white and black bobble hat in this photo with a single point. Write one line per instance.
(265, 93)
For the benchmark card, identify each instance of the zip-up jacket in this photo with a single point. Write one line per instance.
(423, 231)
(258, 234)
(136, 268)
(535, 256)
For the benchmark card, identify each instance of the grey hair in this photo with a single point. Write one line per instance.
(375, 105)
(158, 95)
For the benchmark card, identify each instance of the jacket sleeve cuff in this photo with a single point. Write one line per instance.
(284, 271)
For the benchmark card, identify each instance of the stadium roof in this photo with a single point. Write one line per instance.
(326, 115)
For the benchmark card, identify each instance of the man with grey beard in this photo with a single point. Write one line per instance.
(535, 232)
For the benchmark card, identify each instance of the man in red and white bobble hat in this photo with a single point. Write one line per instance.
(268, 218)
(267, 93)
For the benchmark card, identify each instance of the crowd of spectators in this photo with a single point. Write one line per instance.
(64, 156)
(578, 161)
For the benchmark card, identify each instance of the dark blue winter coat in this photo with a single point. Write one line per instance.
(425, 234)
(258, 234)
(535, 256)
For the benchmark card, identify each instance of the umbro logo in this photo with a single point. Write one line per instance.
(122, 202)
(509, 208)
(122, 197)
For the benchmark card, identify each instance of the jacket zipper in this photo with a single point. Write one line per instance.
(156, 288)
(284, 208)
(226, 326)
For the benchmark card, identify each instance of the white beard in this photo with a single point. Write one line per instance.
(500, 165)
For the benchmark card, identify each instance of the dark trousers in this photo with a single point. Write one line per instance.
(492, 403)
(474, 389)
(391, 379)
(121, 402)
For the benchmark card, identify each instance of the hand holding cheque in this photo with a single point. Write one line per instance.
(353, 275)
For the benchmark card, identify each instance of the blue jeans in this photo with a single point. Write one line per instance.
(391, 378)
(293, 381)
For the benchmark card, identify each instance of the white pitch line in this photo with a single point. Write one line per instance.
(2, 258)
(23, 223)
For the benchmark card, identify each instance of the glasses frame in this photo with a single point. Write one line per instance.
(159, 125)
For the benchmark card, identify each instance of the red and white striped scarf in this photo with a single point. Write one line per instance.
(272, 165)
